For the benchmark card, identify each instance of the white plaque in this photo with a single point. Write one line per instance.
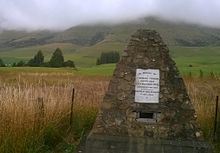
(147, 85)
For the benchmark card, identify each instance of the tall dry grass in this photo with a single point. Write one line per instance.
(25, 127)
(203, 92)
(21, 115)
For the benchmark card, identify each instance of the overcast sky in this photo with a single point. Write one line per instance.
(62, 14)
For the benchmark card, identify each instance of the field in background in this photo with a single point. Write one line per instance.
(204, 58)
(194, 59)
(26, 126)
(102, 70)
(84, 56)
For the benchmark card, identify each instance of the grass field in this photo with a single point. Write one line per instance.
(204, 58)
(30, 126)
(201, 58)
(35, 102)
(107, 70)
(102, 70)
(27, 127)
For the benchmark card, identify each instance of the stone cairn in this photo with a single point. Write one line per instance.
(126, 126)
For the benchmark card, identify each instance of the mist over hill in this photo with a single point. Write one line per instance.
(173, 33)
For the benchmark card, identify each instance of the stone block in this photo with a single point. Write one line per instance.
(146, 104)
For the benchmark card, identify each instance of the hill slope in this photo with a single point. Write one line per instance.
(179, 34)
(83, 44)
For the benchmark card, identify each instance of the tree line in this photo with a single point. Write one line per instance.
(56, 60)
(108, 57)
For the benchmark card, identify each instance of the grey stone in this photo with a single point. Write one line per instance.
(125, 126)
(126, 144)
(124, 54)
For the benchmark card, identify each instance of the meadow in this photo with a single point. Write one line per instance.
(35, 106)
(199, 58)
(30, 125)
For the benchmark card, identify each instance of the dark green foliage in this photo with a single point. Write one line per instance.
(200, 73)
(52, 137)
(69, 63)
(65, 148)
(2, 63)
(20, 64)
(31, 62)
(108, 57)
(98, 61)
(57, 59)
(14, 64)
(46, 64)
(38, 59)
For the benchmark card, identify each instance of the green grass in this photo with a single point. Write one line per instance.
(200, 58)
(103, 70)
(83, 56)
(36, 70)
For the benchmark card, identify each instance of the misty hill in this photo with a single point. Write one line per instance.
(174, 34)
(189, 44)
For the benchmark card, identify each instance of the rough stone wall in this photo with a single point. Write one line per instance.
(117, 117)
(118, 144)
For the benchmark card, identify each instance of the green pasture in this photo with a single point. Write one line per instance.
(188, 59)
(36, 70)
(104, 70)
(194, 59)
(83, 56)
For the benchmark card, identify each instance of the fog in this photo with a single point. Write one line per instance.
(59, 15)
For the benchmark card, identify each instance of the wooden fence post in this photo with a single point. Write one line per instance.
(71, 109)
(215, 120)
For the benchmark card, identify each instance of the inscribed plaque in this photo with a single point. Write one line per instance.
(147, 85)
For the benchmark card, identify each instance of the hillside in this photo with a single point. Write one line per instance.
(179, 34)
(83, 44)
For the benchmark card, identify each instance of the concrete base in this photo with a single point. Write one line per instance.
(115, 144)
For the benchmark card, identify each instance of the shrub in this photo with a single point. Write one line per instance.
(2, 63)
(69, 63)
(38, 59)
(20, 64)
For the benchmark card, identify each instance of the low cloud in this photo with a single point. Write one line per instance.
(59, 15)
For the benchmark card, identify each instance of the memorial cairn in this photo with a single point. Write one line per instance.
(146, 108)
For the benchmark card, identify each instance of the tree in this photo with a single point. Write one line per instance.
(14, 64)
(103, 58)
(20, 64)
(109, 57)
(38, 59)
(69, 63)
(98, 61)
(2, 63)
(57, 59)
